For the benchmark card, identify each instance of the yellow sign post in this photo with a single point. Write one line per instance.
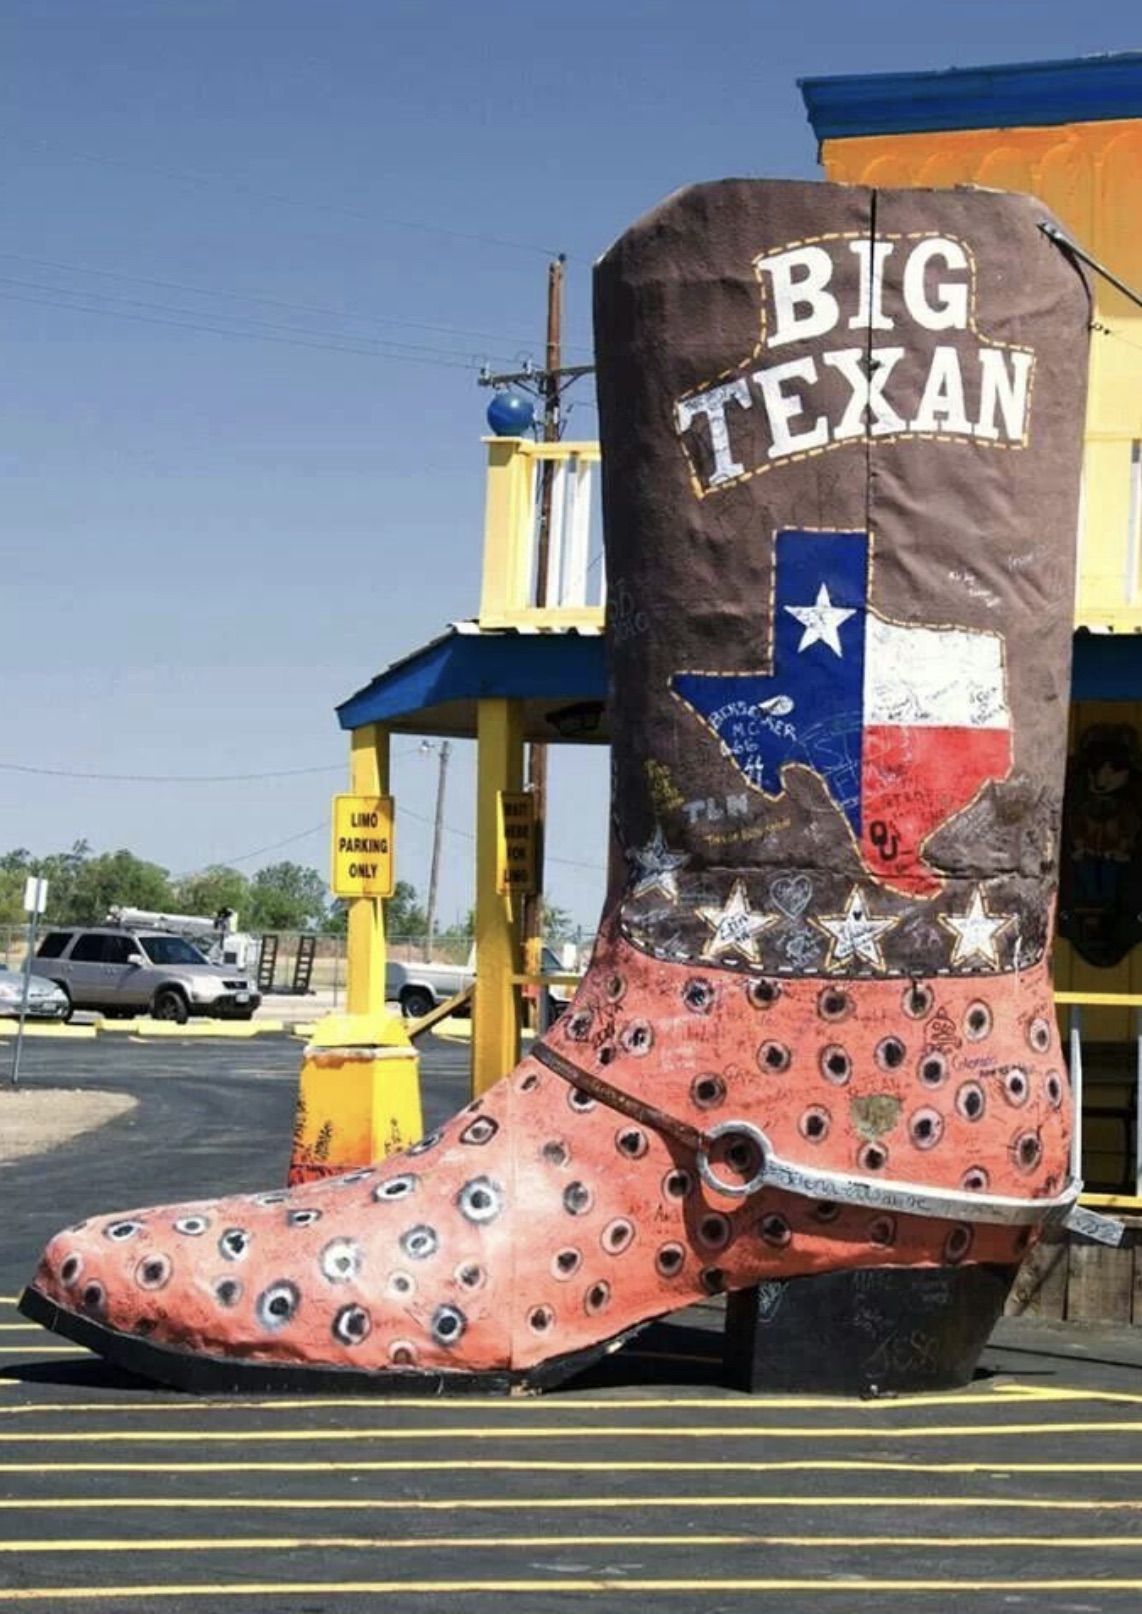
(516, 864)
(362, 846)
(359, 1094)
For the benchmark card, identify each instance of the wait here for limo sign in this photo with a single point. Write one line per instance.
(362, 846)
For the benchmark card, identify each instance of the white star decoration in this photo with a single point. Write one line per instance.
(855, 934)
(821, 621)
(658, 866)
(735, 926)
(975, 931)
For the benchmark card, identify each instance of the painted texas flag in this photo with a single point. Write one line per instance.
(903, 723)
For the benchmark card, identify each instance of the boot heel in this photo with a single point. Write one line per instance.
(871, 1331)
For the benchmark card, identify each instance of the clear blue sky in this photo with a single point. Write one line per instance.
(209, 540)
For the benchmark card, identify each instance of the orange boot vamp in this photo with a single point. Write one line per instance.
(540, 1221)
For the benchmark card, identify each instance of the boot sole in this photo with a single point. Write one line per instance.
(223, 1375)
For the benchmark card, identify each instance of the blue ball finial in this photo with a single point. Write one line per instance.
(511, 414)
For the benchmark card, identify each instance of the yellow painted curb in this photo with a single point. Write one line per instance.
(241, 1030)
(458, 1030)
(303, 1029)
(34, 1028)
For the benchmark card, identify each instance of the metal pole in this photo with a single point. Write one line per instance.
(437, 837)
(1062, 239)
(1138, 1109)
(33, 923)
(537, 753)
(1077, 1094)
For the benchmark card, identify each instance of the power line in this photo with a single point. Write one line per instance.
(336, 341)
(242, 188)
(467, 835)
(245, 857)
(304, 834)
(185, 778)
(248, 336)
(166, 778)
(253, 297)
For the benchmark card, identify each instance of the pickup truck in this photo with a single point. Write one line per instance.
(418, 988)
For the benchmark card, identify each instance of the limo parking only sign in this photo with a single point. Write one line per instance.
(362, 846)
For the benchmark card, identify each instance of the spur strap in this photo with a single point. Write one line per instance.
(838, 1187)
(635, 1109)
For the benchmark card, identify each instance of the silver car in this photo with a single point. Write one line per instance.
(122, 970)
(45, 1000)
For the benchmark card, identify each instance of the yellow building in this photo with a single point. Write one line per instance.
(1070, 133)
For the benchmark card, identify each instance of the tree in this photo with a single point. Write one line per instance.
(61, 870)
(336, 922)
(212, 889)
(404, 915)
(284, 896)
(15, 867)
(555, 924)
(115, 879)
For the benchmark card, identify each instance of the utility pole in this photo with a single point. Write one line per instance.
(548, 384)
(437, 837)
(537, 752)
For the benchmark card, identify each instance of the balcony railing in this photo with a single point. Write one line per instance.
(526, 479)
(572, 593)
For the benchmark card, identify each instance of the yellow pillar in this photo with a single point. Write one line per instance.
(368, 776)
(496, 1012)
(359, 1094)
(508, 511)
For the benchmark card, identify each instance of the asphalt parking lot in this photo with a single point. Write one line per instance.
(647, 1482)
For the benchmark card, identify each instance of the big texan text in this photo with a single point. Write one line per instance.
(900, 367)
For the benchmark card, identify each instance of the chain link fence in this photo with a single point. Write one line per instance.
(290, 953)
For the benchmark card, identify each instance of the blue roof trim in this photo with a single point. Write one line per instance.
(461, 666)
(571, 667)
(1088, 89)
(1107, 667)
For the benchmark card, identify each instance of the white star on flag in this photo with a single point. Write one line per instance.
(658, 866)
(821, 621)
(855, 934)
(975, 931)
(735, 926)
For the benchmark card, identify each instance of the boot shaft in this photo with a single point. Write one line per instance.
(841, 607)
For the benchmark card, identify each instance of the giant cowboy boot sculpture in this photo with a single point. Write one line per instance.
(841, 437)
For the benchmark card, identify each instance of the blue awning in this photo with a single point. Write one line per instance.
(560, 678)
(1086, 89)
(561, 681)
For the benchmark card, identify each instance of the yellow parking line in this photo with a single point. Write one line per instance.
(291, 1543)
(582, 1504)
(457, 1588)
(461, 1431)
(518, 1406)
(31, 1351)
(423, 1465)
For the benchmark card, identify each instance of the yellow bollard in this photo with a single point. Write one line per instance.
(358, 1097)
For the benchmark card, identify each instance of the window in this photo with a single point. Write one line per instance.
(54, 944)
(170, 950)
(119, 949)
(88, 950)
